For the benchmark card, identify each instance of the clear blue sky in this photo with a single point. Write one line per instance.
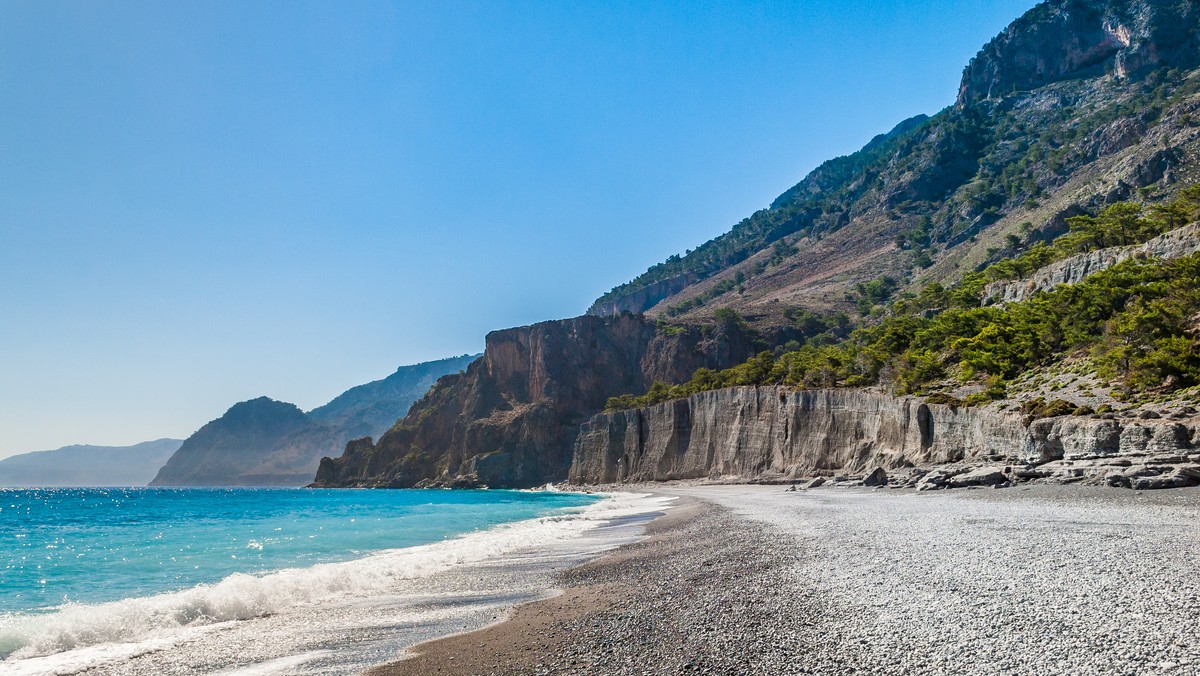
(204, 202)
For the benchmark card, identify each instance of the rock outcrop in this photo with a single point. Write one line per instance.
(1174, 244)
(1066, 39)
(511, 419)
(637, 302)
(779, 434)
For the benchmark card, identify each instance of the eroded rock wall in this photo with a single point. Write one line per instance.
(1180, 242)
(771, 433)
(1063, 39)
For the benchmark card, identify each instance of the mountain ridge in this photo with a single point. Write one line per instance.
(1021, 151)
(993, 158)
(264, 442)
(88, 465)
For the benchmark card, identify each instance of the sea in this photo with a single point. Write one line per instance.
(277, 581)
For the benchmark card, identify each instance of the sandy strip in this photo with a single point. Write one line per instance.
(752, 579)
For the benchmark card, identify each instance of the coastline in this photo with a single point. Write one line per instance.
(756, 579)
(526, 639)
(334, 618)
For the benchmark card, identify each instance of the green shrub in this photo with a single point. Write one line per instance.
(944, 399)
(1056, 408)
(1134, 319)
(977, 399)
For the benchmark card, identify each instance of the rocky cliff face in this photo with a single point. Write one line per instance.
(1181, 242)
(511, 419)
(270, 443)
(1067, 39)
(637, 302)
(769, 433)
(1041, 131)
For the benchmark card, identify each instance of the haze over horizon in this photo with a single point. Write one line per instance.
(205, 203)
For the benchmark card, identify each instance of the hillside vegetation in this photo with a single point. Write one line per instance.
(1136, 323)
(1110, 113)
(869, 273)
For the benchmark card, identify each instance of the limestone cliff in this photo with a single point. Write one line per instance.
(511, 419)
(1066, 39)
(1181, 242)
(771, 433)
(1078, 104)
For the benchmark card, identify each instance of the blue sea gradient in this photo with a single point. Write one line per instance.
(68, 546)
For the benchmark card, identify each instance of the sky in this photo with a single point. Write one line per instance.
(205, 202)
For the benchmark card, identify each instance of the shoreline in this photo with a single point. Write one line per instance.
(757, 579)
(520, 641)
(340, 617)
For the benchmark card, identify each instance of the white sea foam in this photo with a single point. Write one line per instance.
(123, 628)
(282, 665)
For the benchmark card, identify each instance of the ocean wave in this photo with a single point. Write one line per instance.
(242, 596)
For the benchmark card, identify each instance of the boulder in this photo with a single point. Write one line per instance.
(990, 475)
(877, 477)
(1173, 479)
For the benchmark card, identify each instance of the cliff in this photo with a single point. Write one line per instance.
(1181, 242)
(83, 465)
(1068, 39)
(1078, 104)
(270, 443)
(511, 419)
(770, 433)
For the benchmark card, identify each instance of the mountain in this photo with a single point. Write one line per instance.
(263, 442)
(88, 465)
(1076, 105)
(370, 409)
(1076, 108)
(511, 418)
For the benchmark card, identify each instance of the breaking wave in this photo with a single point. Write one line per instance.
(158, 618)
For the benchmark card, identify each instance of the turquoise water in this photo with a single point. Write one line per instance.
(99, 545)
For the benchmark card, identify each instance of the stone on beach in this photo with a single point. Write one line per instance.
(984, 476)
(877, 477)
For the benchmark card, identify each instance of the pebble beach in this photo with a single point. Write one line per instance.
(757, 579)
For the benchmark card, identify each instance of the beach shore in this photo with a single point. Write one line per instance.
(756, 579)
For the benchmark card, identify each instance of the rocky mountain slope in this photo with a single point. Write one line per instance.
(1079, 104)
(83, 465)
(1075, 105)
(263, 442)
